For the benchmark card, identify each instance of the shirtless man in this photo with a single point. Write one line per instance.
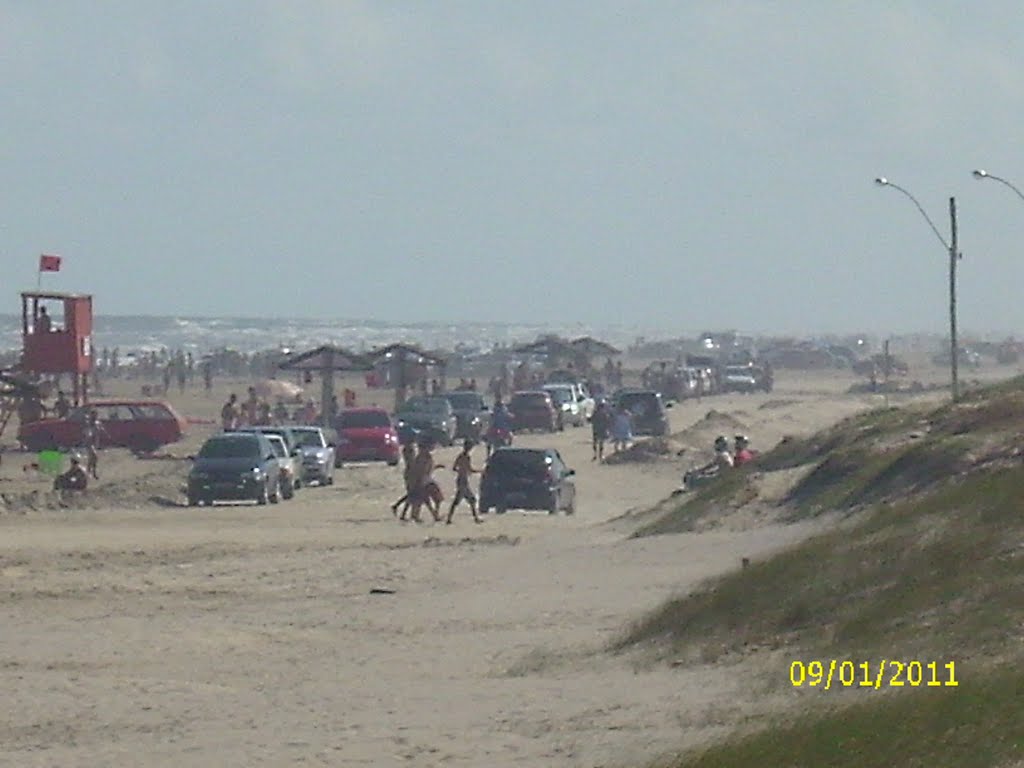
(229, 413)
(408, 474)
(422, 493)
(463, 468)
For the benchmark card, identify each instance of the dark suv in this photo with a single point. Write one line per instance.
(648, 409)
(235, 466)
(527, 478)
(431, 416)
(472, 417)
(533, 410)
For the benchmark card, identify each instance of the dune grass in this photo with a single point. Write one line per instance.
(931, 568)
(979, 724)
(934, 575)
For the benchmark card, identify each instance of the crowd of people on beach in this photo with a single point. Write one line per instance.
(257, 411)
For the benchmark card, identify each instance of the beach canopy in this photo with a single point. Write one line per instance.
(326, 357)
(590, 346)
(407, 352)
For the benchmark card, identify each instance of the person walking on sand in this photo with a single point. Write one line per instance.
(622, 429)
(422, 480)
(408, 475)
(600, 423)
(463, 468)
(229, 413)
(91, 439)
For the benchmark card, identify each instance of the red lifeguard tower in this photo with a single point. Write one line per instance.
(55, 343)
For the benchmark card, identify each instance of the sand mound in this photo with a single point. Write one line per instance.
(771, 405)
(713, 424)
(651, 449)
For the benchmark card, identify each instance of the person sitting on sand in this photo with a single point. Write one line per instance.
(74, 479)
(463, 468)
(743, 453)
(723, 459)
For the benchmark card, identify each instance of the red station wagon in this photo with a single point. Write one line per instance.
(141, 425)
(366, 434)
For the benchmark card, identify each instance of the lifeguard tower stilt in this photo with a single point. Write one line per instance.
(54, 343)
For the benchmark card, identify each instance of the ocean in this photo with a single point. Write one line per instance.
(202, 334)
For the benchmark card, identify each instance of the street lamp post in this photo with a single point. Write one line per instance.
(980, 174)
(954, 256)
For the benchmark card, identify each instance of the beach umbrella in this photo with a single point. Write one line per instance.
(273, 388)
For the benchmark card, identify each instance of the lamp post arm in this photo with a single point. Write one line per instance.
(924, 213)
(1007, 183)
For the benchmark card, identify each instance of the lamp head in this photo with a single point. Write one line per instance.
(882, 181)
(979, 174)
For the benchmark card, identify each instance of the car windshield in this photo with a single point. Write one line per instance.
(309, 438)
(530, 400)
(632, 400)
(230, 448)
(426, 404)
(518, 461)
(363, 420)
(560, 395)
(466, 401)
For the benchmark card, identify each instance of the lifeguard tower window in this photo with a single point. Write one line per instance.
(48, 317)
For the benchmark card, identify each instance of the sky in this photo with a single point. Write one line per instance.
(665, 164)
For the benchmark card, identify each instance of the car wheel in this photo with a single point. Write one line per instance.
(287, 490)
(193, 501)
(392, 462)
(500, 508)
(262, 494)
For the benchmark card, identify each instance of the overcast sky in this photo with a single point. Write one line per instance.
(688, 163)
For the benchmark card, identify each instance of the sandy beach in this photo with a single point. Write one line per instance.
(137, 631)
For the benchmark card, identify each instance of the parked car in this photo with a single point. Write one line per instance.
(527, 478)
(366, 434)
(317, 450)
(533, 410)
(740, 378)
(650, 415)
(235, 466)
(291, 442)
(291, 466)
(567, 400)
(472, 416)
(139, 425)
(430, 415)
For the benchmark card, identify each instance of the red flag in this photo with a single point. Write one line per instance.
(49, 263)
